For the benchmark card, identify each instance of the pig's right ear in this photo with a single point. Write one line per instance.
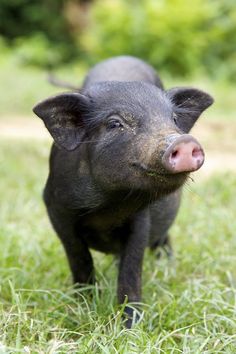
(63, 117)
(189, 103)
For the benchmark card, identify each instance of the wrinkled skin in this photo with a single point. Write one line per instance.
(107, 188)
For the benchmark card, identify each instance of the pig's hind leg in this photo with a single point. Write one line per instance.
(162, 243)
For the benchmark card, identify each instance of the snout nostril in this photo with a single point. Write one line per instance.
(197, 152)
(174, 154)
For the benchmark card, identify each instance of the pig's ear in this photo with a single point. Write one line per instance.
(63, 117)
(188, 103)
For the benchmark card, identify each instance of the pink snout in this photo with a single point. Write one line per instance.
(185, 154)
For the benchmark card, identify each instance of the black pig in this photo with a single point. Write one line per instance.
(122, 152)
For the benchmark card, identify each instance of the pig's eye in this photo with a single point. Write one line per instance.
(114, 123)
(175, 118)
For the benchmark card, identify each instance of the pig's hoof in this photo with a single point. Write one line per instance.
(165, 250)
(86, 290)
(131, 316)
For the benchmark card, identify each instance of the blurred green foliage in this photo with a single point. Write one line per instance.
(178, 37)
(24, 17)
(168, 34)
(37, 31)
(175, 35)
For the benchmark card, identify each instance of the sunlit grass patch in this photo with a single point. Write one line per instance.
(189, 303)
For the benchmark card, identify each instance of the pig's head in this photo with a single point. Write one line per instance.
(136, 134)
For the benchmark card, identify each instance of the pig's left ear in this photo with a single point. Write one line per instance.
(63, 116)
(188, 104)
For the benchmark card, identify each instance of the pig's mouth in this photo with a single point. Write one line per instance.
(144, 168)
(161, 175)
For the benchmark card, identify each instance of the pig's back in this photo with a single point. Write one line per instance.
(122, 68)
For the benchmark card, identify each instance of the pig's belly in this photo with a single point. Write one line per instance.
(107, 240)
(105, 243)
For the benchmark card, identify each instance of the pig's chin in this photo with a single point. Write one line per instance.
(170, 182)
(161, 181)
(166, 183)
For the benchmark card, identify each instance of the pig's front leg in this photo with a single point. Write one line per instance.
(79, 257)
(130, 269)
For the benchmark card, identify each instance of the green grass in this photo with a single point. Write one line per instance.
(23, 86)
(189, 303)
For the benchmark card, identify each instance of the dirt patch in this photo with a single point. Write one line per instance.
(218, 139)
(219, 136)
(23, 128)
(219, 142)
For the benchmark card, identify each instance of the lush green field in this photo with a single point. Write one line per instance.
(189, 303)
(22, 87)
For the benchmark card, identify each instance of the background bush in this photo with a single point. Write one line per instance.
(169, 34)
(38, 30)
(175, 36)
